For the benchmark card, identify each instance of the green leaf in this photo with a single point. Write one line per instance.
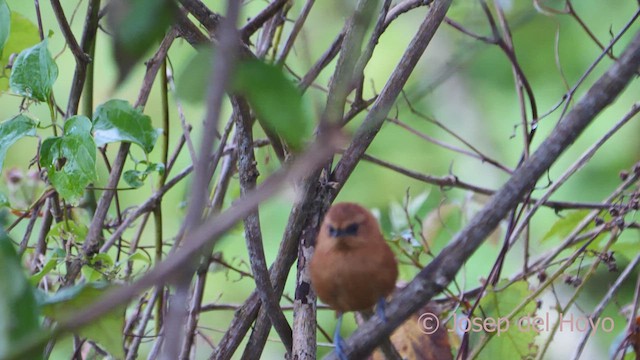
(91, 274)
(276, 101)
(155, 167)
(23, 35)
(416, 203)
(626, 245)
(139, 256)
(19, 316)
(106, 331)
(137, 25)
(116, 120)
(98, 268)
(13, 130)
(69, 231)
(102, 260)
(5, 23)
(54, 258)
(136, 178)
(34, 72)
(70, 159)
(133, 178)
(565, 225)
(509, 337)
(4, 201)
(193, 80)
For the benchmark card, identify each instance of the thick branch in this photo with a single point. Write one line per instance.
(205, 16)
(254, 24)
(253, 234)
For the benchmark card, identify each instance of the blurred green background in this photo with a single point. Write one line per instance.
(465, 84)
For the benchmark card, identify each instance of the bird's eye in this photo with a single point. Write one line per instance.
(351, 230)
(333, 232)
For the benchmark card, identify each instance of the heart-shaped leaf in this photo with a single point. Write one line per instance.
(563, 226)
(513, 336)
(70, 159)
(106, 331)
(276, 101)
(136, 178)
(13, 130)
(116, 120)
(193, 80)
(23, 35)
(34, 72)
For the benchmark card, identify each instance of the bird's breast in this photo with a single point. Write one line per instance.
(353, 279)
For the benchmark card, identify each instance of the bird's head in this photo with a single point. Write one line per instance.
(349, 225)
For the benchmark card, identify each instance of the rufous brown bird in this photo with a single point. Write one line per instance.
(352, 268)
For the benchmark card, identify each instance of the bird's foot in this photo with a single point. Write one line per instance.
(340, 345)
(380, 310)
(337, 340)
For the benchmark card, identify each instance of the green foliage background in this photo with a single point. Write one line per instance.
(477, 101)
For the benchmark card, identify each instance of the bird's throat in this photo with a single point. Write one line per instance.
(344, 244)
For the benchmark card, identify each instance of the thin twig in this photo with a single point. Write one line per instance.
(257, 21)
(87, 45)
(70, 40)
(603, 303)
(204, 235)
(438, 274)
(297, 26)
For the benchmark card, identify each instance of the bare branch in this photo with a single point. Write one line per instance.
(439, 273)
(253, 234)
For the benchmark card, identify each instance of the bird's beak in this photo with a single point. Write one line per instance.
(337, 233)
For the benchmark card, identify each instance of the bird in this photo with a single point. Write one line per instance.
(352, 268)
